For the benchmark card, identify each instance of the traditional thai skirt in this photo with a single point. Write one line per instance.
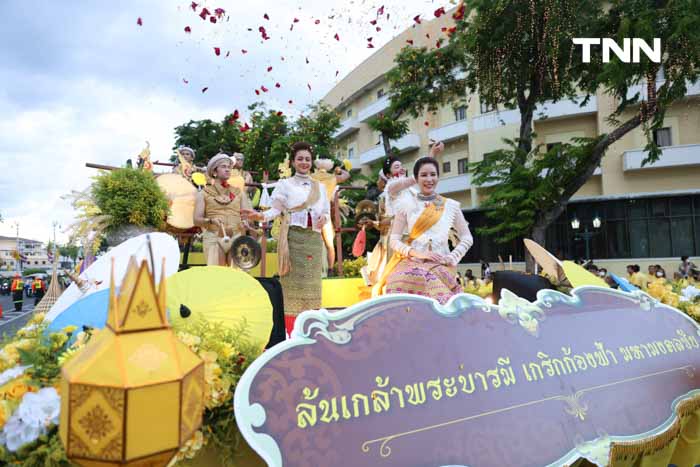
(301, 288)
(423, 278)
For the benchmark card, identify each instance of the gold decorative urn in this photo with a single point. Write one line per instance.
(135, 393)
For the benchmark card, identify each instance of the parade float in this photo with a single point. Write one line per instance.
(350, 387)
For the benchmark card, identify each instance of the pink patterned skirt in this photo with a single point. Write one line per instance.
(425, 278)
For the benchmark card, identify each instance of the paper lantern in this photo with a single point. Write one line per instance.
(135, 393)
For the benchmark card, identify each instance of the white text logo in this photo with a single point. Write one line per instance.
(628, 53)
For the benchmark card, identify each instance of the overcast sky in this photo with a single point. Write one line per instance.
(83, 82)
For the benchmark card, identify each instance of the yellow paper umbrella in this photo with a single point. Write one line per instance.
(223, 295)
(578, 276)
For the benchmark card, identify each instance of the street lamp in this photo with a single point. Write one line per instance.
(586, 235)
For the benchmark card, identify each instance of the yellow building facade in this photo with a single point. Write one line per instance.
(649, 215)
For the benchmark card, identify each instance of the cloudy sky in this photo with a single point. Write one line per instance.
(82, 81)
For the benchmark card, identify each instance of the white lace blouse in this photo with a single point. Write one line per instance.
(293, 191)
(434, 239)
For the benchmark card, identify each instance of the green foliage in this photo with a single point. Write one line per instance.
(352, 267)
(266, 144)
(317, 129)
(392, 128)
(271, 246)
(207, 138)
(30, 271)
(130, 196)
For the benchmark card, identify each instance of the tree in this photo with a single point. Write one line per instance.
(207, 138)
(266, 142)
(317, 129)
(519, 54)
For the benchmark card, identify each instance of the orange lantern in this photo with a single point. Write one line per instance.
(135, 394)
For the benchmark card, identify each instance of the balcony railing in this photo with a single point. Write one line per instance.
(404, 144)
(450, 132)
(461, 182)
(347, 127)
(374, 108)
(566, 108)
(692, 89)
(671, 156)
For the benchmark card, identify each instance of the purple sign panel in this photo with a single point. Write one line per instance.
(402, 381)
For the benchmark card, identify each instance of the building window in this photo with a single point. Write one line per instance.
(43, 262)
(348, 113)
(380, 93)
(460, 113)
(446, 167)
(662, 137)
(463, 165)
(486, 108)
(351, 152)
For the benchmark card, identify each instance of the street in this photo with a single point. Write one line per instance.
(12, 320)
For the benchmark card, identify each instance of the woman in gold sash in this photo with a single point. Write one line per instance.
(304, 207)
(218, 211)
(423, 264)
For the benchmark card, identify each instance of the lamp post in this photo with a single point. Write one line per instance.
(586, 235)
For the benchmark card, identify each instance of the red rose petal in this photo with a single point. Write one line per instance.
(188, 29)
(417, 19)
(185, 81)
(426, 123)
(370, 46)
(307, 60)
(279, 114)
(439, 12)
(378, 28)
(278, 85)
(204, 90)
(291, 102)
(269, 69)
(217, 51)
(236, 115)
(219, 12)
(244, 128)
(228, 53)
(296, 20)
(309, 86)
(438, 44)
(409, 41)
(204, 13)
(427, 35)
(318, 21)
(139, 22)
(263, 89)
(373, 22)
(212, 19)
(244, 51)
(337, 37)
(194, 6)
(266, 16)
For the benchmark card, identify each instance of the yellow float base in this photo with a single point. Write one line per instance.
(341, 293)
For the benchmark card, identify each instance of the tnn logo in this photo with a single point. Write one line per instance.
(629, 53)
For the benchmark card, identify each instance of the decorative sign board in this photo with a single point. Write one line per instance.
(402, 381)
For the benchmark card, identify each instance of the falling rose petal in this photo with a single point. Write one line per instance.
(244, 51)
(188, 29)
(291, 102)
(426, 123)
(369, 39)
(263, 32)
(370, 46)
(257, 92)
(336, 72)
(244, 128)
(269, 69)
(228, 53)
(373, 22)
(212, 19)
(308, 86)
(307, 60)
(438, 44)
(409, 41)
(219, 12)
(443, 29)
(378, 28)
(217, 51)
(439, 12)
(266, 16)
(380, 12)
(139, 22)
(278, 85)
(263, 89)
(451, 30)
(185, 81)
(236, 115)
(204, 90)
(282, 58)
(417, 19)
(318, 21)
(296, 20)
(279, 114)
(459, 14)
(427, 35)
(204, 13)
(337, 37)
(194, 6)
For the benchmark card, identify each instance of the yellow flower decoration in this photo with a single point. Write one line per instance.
(347, 164)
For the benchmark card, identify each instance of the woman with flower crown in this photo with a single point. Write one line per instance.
(423, 264)
(304, 209)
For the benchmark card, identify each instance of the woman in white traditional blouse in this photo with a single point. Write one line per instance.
(304, 207)
(423, 264)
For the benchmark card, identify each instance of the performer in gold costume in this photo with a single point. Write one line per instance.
(218, 212)
(330, 182)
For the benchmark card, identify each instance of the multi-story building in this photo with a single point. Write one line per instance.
(34, 252)
(647, 214)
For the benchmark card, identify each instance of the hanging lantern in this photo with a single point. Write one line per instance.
(135, 393)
